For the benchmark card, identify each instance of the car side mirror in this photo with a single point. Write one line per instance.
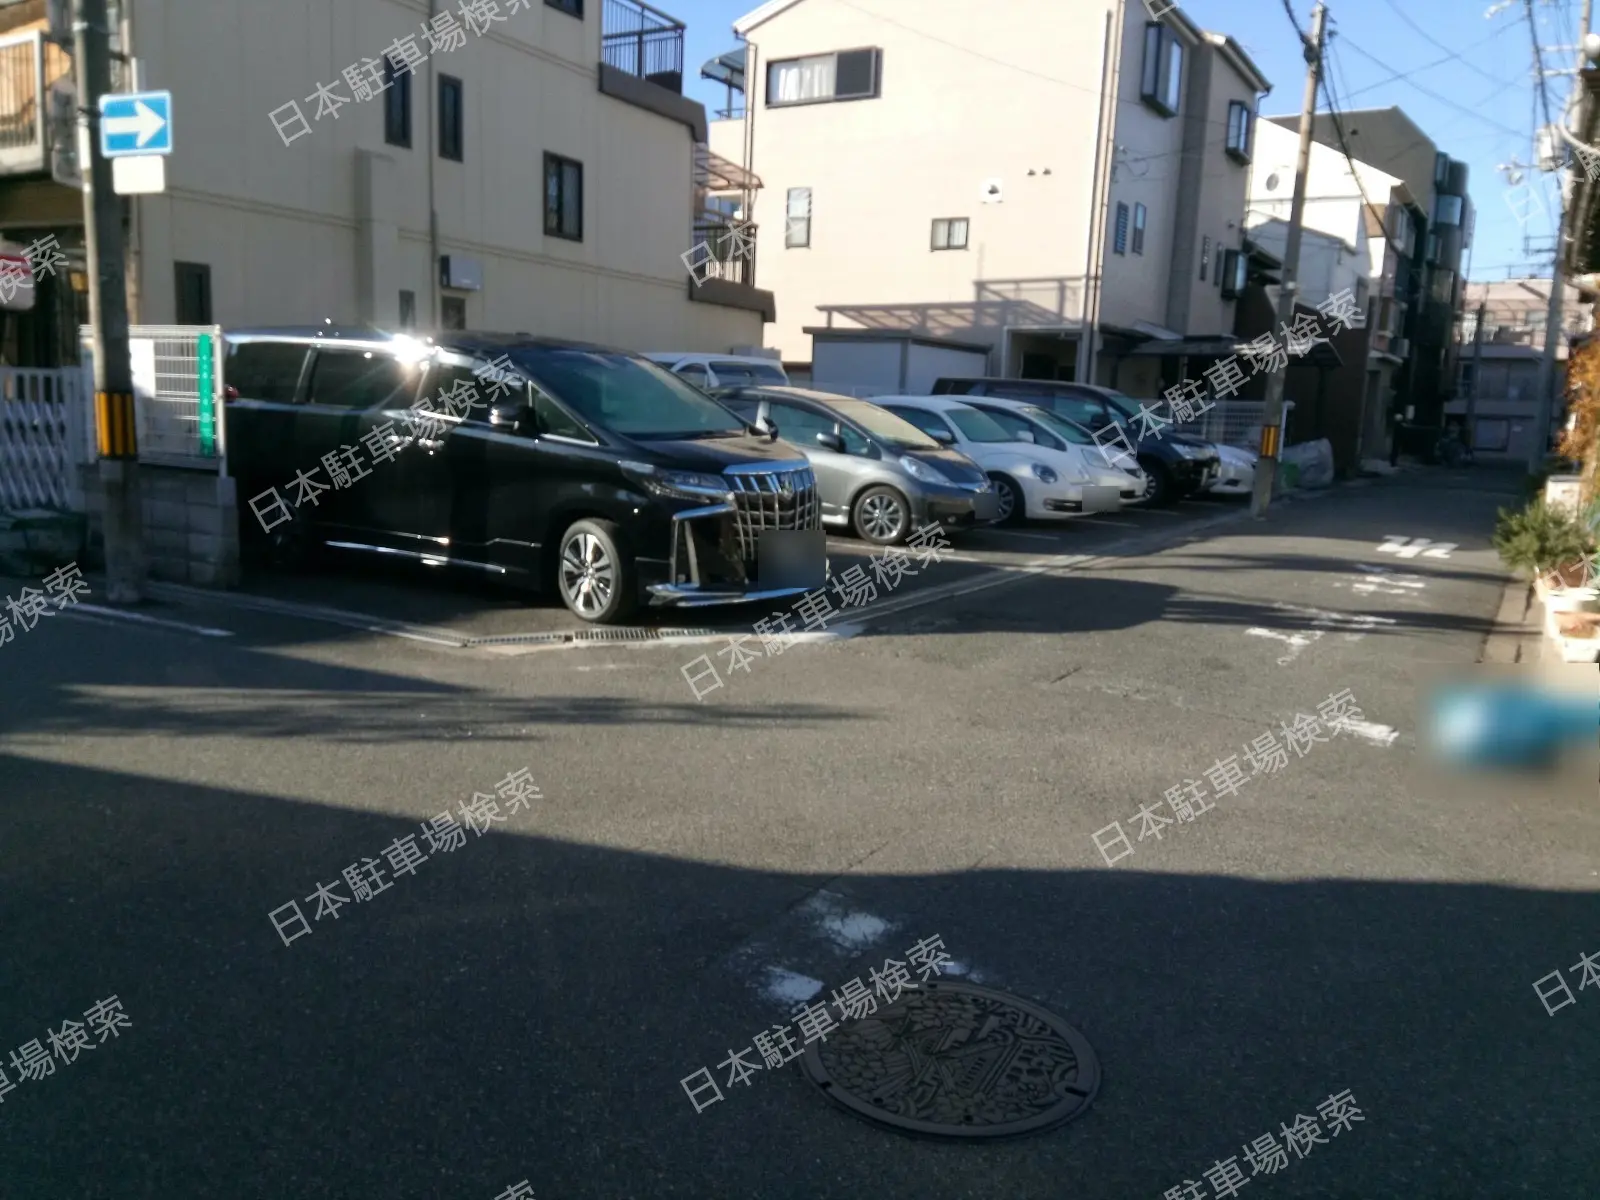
(512, 416)
(1026, 435)
(943, 436)
(831, 440)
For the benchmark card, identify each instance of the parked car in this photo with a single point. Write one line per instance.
(557, 463)
(1030, 423)
(1178, 465)
(708, 371)
(1032, 481)
(1237, 474)
(877, 474)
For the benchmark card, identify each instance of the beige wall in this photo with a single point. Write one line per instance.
(281, 226)
(947, 120)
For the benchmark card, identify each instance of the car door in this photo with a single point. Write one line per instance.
(415, 506)
(799, 426)
(262, 382)
(346, 433)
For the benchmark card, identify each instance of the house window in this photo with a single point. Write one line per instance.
(1240, 122)
(1361, 301)
(797, 224)
(572, 8)
(453, 312)
(192, 292)
(950, 233)
(1234, 265)
(1120, 239)
(396, 104)
(1138, 228)
(1161, 79)
(563, 197)
(845, 75)
(450, 118)
(1205, 257)
(408, 310)
(1447, 211)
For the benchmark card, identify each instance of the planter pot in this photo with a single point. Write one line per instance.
(1573, 600)
(1569, 575)
(1580, 650)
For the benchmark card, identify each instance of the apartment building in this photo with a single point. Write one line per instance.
(1360, 226)
(1498, 381)
(1059, 186)
(522, 165)
(1429, 285)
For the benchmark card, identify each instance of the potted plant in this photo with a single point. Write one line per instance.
(1579, 636)
(1552, 546)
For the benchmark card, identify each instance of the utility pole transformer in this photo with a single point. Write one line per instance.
(116, 435)
(1272, 418)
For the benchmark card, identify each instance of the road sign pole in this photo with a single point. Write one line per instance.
(115, 429)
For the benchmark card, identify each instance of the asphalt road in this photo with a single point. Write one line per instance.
(526, 1006)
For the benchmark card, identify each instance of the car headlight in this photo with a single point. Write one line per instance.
(679, 485)
(1042, 473)
(918, 469)
(1188, 451)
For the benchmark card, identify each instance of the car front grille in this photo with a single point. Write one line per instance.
(784, 497)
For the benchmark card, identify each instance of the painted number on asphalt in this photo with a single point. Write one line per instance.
(1411, 547)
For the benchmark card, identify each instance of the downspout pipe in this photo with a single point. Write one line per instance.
(1105, 130)
(435, 258)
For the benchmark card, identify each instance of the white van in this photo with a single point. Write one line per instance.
(722, 370)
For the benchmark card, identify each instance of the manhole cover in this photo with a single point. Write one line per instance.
(954, 1060)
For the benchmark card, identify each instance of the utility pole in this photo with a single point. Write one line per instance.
(115, 430)
(1272, 418)
(1554, 330)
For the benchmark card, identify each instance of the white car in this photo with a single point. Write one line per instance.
(1030, 423)
(707, 371)
(1236, 475)
(1031, 481)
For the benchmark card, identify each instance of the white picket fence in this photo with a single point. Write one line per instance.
(44, 436)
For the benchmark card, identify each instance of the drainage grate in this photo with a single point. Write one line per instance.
(604, 636)
(520, 639)
(954, 1060)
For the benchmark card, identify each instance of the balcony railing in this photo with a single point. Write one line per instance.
(724, 251)
(643, 41)
(37, 117)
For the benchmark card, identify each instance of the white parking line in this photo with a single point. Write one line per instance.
(314, 612)
(1382, 735)
(141, 619)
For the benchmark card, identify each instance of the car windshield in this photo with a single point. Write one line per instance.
(1059, 426)
(627, 395)
(883, 424)
(977, 426)
(1124, 407)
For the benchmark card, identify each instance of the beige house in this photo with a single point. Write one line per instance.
(535, 169)
(1057, 184)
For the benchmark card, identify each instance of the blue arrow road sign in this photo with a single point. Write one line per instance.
(135, 123)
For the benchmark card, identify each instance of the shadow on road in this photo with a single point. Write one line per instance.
(525, 1008)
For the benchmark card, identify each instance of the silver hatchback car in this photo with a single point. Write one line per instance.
(877, 475)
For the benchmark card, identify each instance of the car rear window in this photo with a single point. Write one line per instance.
(265, 370)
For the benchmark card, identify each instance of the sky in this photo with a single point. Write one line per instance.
(1464, 77)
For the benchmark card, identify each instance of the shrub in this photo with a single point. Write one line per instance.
(1539, 538)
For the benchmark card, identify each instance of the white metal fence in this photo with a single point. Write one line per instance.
(1231, 423)
(43, 438)
(178, 393)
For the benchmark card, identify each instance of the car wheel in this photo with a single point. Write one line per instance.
(1013, 508)
(881, 516)
(594, 574)
(1159, 488)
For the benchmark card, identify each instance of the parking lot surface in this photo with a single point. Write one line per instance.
(694, 867)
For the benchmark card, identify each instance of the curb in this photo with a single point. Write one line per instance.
(1516, 636)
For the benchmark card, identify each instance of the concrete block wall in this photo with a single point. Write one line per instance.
(191, 524)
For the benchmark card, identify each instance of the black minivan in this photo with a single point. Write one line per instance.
(537, 460)
(1176, 464)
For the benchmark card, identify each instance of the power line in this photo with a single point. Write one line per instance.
(1445, 100)
(1400, 12)
(1449, 58)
